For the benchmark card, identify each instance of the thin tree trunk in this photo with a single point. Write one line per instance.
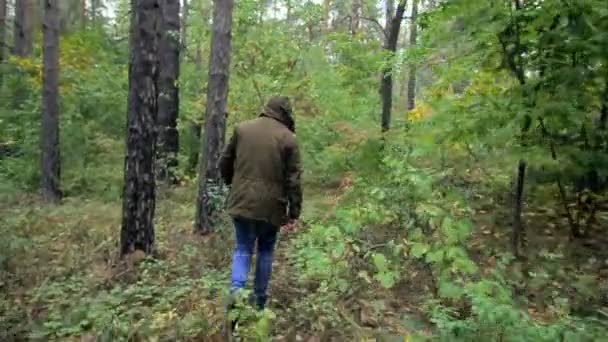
(289, 8)
(411, 82)
(139, 193)
(168, 100)
(389, 9)
(386, 84)
(355, 17)
(518, 229)
(23, 28)
(51, 160)
(215, 121)
(3, 8)
(326, 15)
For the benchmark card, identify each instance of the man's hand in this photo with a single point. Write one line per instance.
(290, 227)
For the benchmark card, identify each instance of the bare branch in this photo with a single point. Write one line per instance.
(380, 27)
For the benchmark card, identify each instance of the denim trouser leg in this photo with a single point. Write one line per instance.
(247, 232)
(263, 271)
(243, 251)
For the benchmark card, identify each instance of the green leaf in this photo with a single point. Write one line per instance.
(379, 261)
(419, 249)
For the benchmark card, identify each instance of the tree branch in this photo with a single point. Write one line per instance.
(380, 27)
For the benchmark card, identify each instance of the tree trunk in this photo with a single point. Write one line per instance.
(139, 193)
(215, 120)
(355, 17)
(326, 15)
(168, 99)
(23, 28)
(51, 161)
(389, 8)
(386, 84)
(518, 201)
(3, 8)
(411, 82)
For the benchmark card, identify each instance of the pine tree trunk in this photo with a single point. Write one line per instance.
(139, 193)
(168, 99)
(215, 121)
(355, 17)
(386, 84)
(3, 8)
(51, 160)
(411, 82)
(23, 28)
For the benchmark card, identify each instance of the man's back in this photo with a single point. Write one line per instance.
(262, 164)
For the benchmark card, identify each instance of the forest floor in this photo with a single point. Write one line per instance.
(61, 277)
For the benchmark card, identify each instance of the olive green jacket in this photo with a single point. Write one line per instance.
(262, 163)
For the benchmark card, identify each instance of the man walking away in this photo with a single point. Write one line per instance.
(262, 164)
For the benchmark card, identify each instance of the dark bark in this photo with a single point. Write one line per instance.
(411, 82)
(518, 229)
(168, 99)
(51, 160)
(510, 40)
(139, 193)
(386, 84)
(215, 119)
(23, 28)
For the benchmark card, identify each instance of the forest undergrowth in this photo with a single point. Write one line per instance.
(349, 273)
(454, 168)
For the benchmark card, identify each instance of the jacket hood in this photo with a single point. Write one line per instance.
(279, 108)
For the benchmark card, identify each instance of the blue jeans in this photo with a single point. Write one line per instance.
(247, 232)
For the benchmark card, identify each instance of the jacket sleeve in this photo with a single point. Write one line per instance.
(228, 158)
(293, 180)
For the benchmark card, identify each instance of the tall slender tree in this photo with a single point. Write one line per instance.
(139, 193)
(51, 160)
(3, 8)
(215, 120)
(390, 44)
(24, 12)
(411, 81)
(168, 99)
(355, 22)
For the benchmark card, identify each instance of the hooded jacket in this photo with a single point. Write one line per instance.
(262, 164)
